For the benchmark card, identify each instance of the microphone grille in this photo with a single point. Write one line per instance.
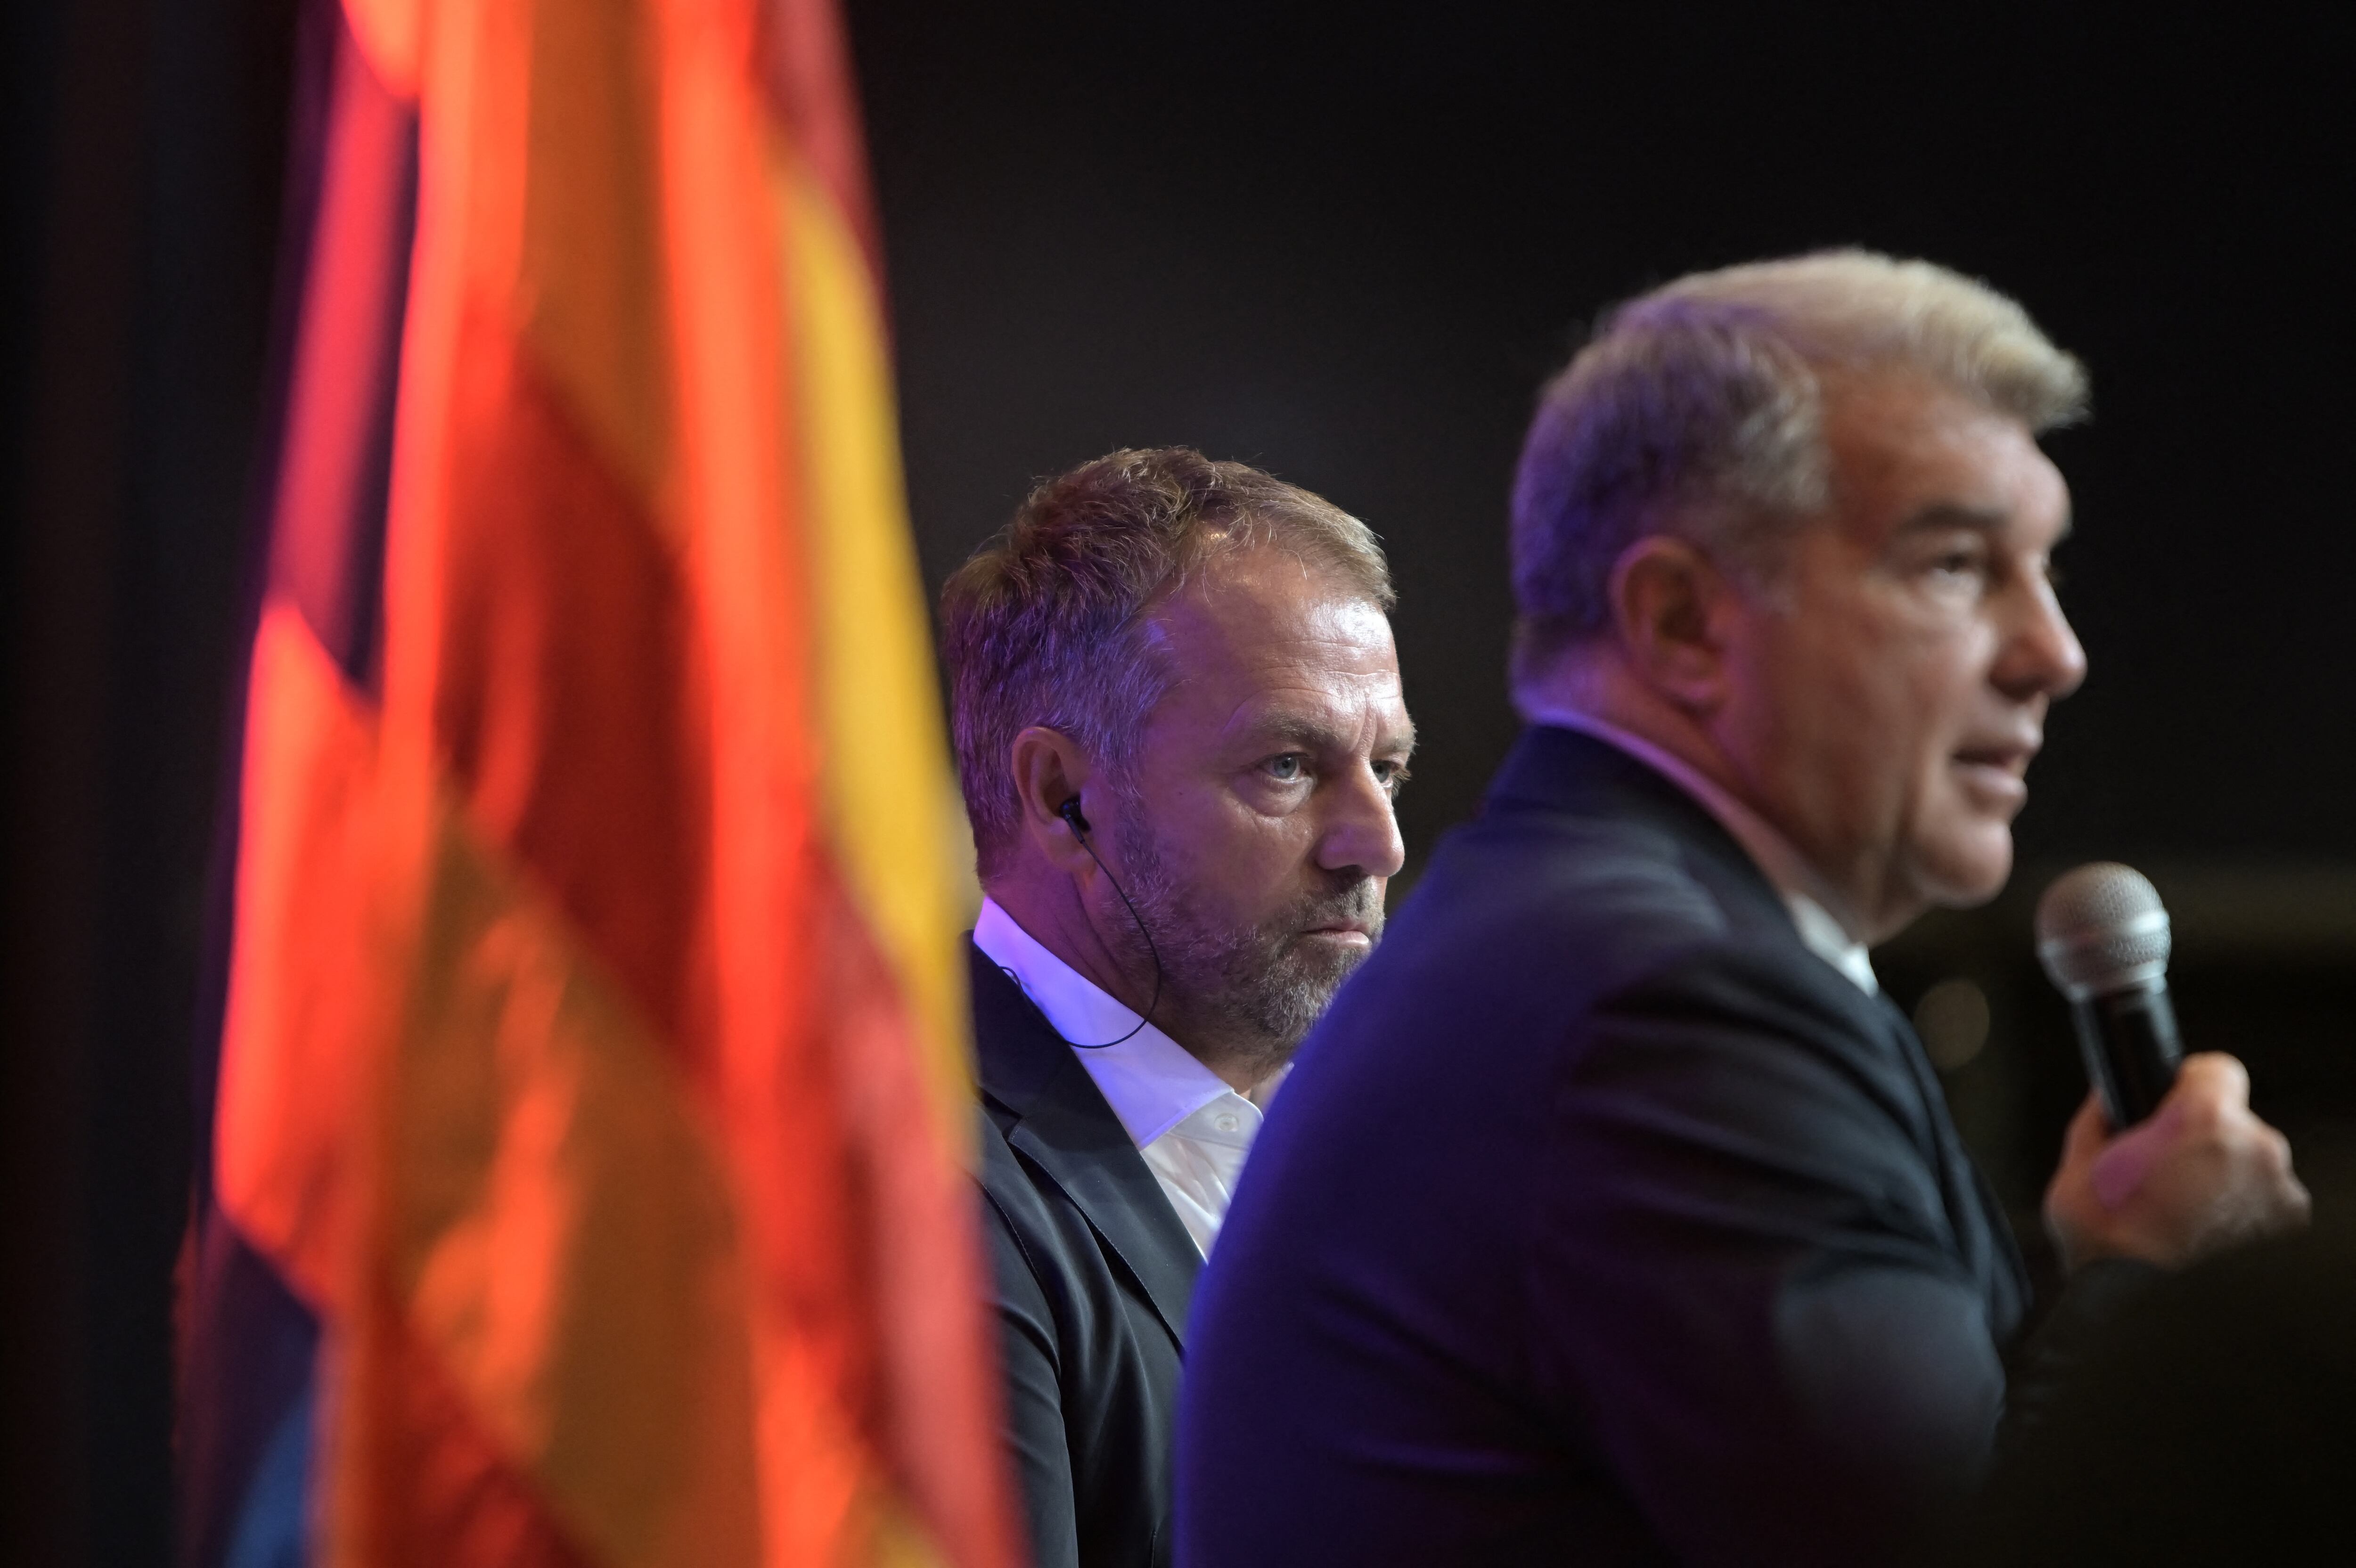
(2102, 928)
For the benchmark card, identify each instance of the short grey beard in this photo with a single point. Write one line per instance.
(1250, 993)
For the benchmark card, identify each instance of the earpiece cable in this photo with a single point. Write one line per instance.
(1081, 834)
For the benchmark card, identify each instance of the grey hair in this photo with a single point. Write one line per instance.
(1049, 623)
(1698, 409)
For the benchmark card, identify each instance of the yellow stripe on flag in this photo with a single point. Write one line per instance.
(565, 1234)
(898, 839)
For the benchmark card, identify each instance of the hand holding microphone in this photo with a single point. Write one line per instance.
(2165, 1161)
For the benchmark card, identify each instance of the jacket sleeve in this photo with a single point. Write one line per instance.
(2046, 1359)
(1036, 1438)
(1750, 1287)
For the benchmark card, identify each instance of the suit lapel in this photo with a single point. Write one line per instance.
(1112, 1186)
(1063, 1127)
(1562, 770)
(1979, 1220)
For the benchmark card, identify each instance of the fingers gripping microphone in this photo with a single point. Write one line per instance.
(2102, 937)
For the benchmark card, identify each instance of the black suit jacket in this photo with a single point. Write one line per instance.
(1600, 1222)
(1093, 1273)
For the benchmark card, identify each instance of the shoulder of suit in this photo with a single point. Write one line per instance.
(1766, 970)
(1587, 908)
(1631, 886)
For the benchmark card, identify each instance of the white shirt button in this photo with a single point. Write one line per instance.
(1226, 1123)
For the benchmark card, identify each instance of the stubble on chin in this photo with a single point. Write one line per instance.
(1250, 993)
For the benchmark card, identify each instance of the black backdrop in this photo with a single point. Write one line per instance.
(1348, 250)
(1342, 247)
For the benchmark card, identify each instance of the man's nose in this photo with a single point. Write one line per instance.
(1363, 833)
(2042, 655)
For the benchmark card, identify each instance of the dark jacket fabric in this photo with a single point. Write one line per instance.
(1600, 1222)
(1093, 1272)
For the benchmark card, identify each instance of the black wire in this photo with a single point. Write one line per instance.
(1150, 948)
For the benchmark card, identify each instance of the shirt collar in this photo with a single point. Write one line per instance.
(1150, 1081)
(1802, 890)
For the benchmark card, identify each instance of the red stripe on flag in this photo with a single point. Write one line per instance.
(809, 81)
(927, 1396)
(570, 695)
(443, 1492)
(299, 1026)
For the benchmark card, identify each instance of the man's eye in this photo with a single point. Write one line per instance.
(1964, 569)
(1286, 768)
(1390, 775)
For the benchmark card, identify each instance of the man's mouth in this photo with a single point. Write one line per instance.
(1998, 771)
(1344, 920)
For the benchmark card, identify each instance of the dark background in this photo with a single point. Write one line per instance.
(1345, 249)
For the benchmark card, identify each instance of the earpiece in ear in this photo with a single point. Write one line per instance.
(1070, 812)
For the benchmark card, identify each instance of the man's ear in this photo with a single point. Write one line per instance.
(1667, 611)
(1050, 768)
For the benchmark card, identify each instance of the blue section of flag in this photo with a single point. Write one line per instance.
(248, 1397)
(270, 1528)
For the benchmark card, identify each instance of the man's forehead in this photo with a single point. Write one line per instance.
(1910, 453)
(1282, 654)
(1267, 604)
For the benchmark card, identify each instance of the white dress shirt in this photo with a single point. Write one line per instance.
(1804, 891)
(1193, 1129)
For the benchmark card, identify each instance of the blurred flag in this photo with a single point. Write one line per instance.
(588, 1107)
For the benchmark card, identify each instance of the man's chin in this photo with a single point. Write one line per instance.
(1967, 874)
(1301, 985)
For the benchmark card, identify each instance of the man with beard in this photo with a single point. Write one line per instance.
(1179, 729)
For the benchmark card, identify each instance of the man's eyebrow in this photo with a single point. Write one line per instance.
(1954, 515)
(1316, 734)
(1979, 520)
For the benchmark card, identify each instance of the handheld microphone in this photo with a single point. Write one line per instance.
(1070, 812)
(2104, 939)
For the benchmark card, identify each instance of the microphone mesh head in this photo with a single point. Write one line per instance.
(2102, 928)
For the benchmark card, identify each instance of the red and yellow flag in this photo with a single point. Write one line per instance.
(593, 1070)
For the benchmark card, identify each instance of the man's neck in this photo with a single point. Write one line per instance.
(1600, 690)
(1054, 918)
(1673, 743)
(1052, 914)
